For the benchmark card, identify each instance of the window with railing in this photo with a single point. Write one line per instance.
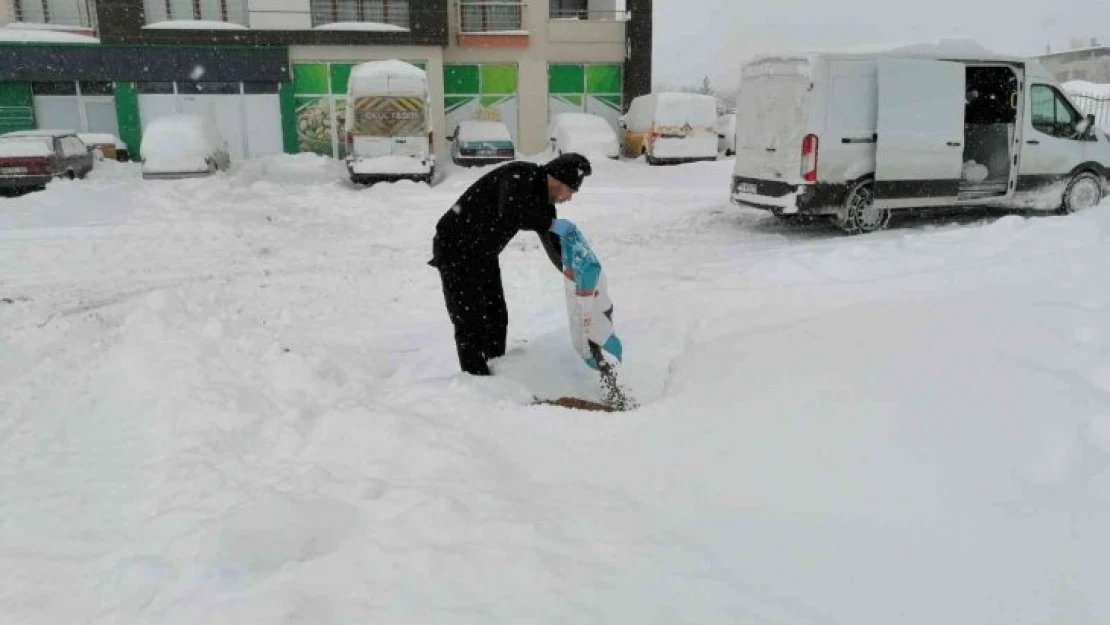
(484, 16)
(393, 12)
(232, 11)
(62, 12)
(580, 10)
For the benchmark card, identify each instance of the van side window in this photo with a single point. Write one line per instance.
(1052, 114)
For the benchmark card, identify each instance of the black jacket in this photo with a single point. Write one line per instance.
(488, 215)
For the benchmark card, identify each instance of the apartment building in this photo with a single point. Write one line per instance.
(273, 72)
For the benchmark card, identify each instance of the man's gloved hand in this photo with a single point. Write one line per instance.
(562, 227)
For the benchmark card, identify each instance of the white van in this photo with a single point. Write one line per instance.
(670, 128)
(388, 123)
(857, 135)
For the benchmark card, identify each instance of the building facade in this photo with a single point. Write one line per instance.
(1089, 64)
(273, 73)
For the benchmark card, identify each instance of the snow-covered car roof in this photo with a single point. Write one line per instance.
(39, 133)
(25, 145)
(390, 76)
(182, 142)
(471, 130)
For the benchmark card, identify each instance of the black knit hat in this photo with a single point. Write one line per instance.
(569, 169)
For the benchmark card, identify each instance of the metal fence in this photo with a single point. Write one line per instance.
(61, 12)
(1093, 104)
(576, 14)
(485, 16)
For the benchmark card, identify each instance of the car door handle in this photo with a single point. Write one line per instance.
(1033, 142)
(953, 144)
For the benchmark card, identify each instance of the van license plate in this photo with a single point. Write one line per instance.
(747, 187)
(11, 171)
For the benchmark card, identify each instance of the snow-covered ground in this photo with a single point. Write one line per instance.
(236, 401)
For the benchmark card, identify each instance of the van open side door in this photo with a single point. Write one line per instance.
(919, 156)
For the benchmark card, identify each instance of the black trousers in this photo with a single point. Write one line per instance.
(476, 303)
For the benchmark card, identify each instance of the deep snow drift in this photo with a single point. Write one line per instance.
(236, 401)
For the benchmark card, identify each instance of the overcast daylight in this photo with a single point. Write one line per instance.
(479, 312)
(712, 37)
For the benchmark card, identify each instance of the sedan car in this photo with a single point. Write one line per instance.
(583, 133)
(481, 143)
(183, 146)
(31, 158)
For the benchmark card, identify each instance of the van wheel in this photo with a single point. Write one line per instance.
(1083, 191)
(859, 215)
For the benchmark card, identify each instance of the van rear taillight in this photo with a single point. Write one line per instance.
(809, 158)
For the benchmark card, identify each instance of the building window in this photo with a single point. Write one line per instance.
(392, 12)
(484, 16)
(570, 9)
(234, 11)
(63, 12)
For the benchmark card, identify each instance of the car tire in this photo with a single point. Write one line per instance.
(1084, 191)
(858, 215)
(69, 175)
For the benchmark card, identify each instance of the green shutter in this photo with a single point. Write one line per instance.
(460, 79)
(564, 78)
(127, 118)
(288, 118)
(17, 106)
(603, 78)
(310, 78)
(499, 78)
(340, 73)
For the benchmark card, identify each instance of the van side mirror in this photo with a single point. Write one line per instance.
(1084, 126)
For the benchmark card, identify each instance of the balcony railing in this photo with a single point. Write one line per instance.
(77, 13)
(392, 12)
(576, 14)
(230, 11)
(490, 16)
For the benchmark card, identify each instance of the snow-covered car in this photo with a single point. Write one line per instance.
(481, 143)
(109, 145)
(183, 146)
(583, 133)
(726, 134)
(31, 158)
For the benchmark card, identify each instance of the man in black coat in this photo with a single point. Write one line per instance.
(471, 235)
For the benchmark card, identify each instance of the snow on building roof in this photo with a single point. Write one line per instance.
(374, 27)
(19, 34)
(962, 49)
(194, 25)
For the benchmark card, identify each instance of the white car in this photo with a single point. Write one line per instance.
(183, 146)
(477, 143)
(583, 133)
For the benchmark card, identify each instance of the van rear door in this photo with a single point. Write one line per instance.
(772, 107)
(387, 125)
(919, 156)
